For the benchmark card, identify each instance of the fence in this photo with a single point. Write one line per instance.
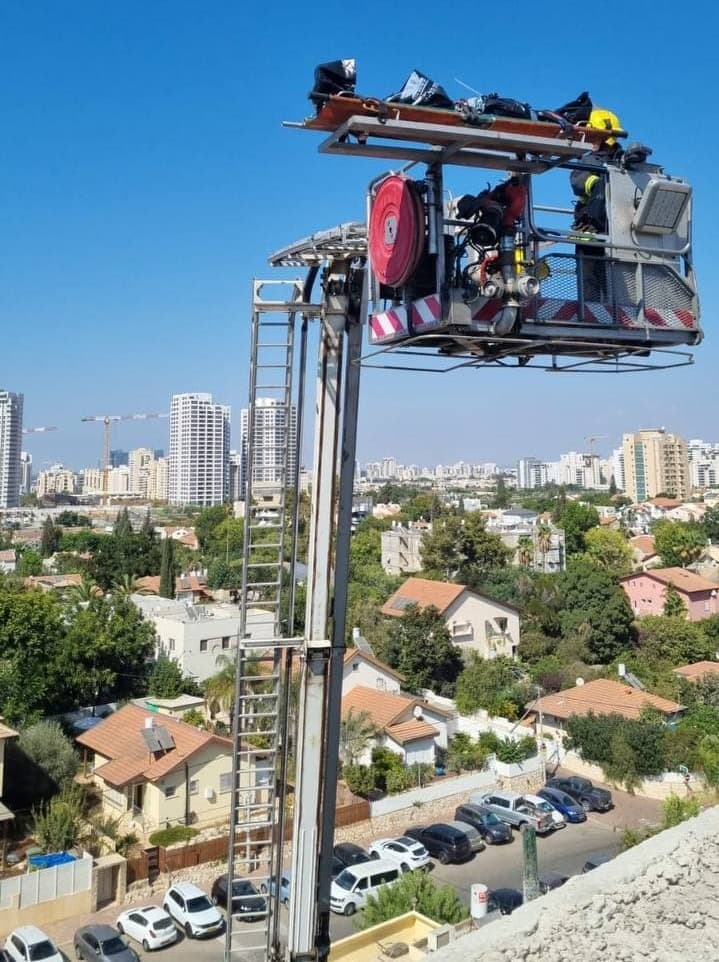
(46, 884)
(439, 788)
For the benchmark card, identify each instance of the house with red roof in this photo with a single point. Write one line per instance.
(475, 622)
(647, 592)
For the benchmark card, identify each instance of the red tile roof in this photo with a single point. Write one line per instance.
(665, 502)
(602, 697)
(423, 593)
(683, 580)
(411, 731)
(386, 710)
(698, 670)
(48, 582)
(119, 738)
(644, 544)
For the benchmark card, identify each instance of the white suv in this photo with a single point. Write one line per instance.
(28, 943)
(408, 853)
(192, 910)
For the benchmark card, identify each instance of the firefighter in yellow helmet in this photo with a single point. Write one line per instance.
(590, 209)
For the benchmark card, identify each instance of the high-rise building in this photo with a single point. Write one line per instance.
(10, 446)
(157, 482)
(199, 450)
(655, 462)
(139, 461)
(235, 476)
(703, 464)
(58, 480)
(119, 459)
(617, 470)
(531, 473)
(25, 472)
(270, 433)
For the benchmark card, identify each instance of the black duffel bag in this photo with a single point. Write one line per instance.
(335, 77)
(420, 91)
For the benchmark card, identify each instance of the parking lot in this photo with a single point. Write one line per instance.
(563, 852)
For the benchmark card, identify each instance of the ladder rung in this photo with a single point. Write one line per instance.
(272, 344)
(250, 948)
(268, 367)
(252, 751)
(268, 694)
(266, 584)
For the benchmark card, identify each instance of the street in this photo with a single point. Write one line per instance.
(563, 852)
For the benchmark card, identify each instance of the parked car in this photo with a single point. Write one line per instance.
(551, 880)
(350, 889)
(337, 866)
(443, 842)
(558, 820)
(247, 902)
(406, 852)
(350, 854)
(594, 861)
(492, 829)
(150, 926)
(590, 797)
(102, 943)
(285, 884)
(28, 943)
(512, 809)
(475, 839)
(192, 910)
(569, 807)
(504, 901)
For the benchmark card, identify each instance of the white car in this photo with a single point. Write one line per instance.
(28, 943)
(558, 820)
(406, 852)
(192, 910)
(150, 926)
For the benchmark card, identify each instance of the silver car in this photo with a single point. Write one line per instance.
(102, 943)
(475, 839)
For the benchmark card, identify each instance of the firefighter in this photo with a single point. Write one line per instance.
(590, 211)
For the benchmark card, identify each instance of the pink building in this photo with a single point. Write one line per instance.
(647, 591)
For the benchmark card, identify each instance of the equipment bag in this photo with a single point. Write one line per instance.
(504, 107)
(577, 111)
(336, 77)
(420, 91)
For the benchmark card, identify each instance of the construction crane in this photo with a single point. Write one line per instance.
(591, 438)
(42, 430)
(411, 280)
(106, 420)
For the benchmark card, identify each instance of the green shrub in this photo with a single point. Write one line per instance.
(676, 809)
(360, 779)
(509, 751)
(169, 836)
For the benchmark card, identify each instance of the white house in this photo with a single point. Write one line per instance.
(475, 622)
(363, 669)
(194, 635)
(8, 561)
(407, 726)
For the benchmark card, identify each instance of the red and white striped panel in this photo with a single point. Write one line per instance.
(559, 310)
(392, 325)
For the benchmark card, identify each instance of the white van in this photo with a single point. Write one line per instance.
(350, 889)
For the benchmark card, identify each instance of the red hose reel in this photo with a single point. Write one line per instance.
(396, 231)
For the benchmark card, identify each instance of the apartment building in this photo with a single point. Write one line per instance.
(655, 462)
(10, 446)
(271, 433)
(158, 479)
(57, 480)
(401, 546)
(199, 450)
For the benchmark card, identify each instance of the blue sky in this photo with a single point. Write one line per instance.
(145, 176)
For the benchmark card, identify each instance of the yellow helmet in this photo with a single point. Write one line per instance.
(601, 119)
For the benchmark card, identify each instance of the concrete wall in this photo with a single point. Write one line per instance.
(441, 788)
(657, 902)
(659, 787)
(46, 895)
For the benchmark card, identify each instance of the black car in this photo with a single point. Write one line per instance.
(337, 866)
(504, 901)
(492, 829)
(590, 797)
(594, 861)
(350, 854)
(247, 902)
(443, 842)
(550, 881)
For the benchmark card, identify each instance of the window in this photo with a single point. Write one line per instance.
(171, 644)
(225, 643)
(355, 666)
(20, 946)
(203, 644)
(225, 782)
(194, 786)
(170, 791)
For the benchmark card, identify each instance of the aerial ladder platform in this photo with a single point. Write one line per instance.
(435, 285)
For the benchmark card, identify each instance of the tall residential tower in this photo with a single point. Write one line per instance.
(199, 450)
(271, 432)
(10, 447)
(655, 462)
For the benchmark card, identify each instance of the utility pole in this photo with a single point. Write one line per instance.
(530, 870)
(540, 737)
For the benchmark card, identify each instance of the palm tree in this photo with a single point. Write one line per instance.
(220, 688)
(544, 542)
(128, 585)
(83, 593)
(357, 730)
(525, 551)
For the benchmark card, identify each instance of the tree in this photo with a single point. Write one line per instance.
(502, 497)
(58, 823)
(419, 646)
(678, 542)
(357, 730)
(708, 754)
(220, 688)
(360, 779)
(207, 521)
(525, 551)
(29, 563)
(414, 891)
(494, 685)
(165, 679)
(224, 574)
(710, 524)
(591, 597)
(609, 550)
(673, 639)
(576, 519)
(463, 754)
(50, 538)
(544, 541)
(674, 603)
(462, 549)
(51, 750)
(167, 569)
